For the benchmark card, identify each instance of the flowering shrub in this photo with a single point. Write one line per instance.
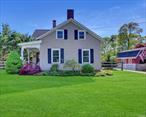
(30, 69)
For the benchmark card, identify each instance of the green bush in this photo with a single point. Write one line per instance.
(44, 73)
(69, 73)
(13, 63)
(87, 68)
(54, 68)
(72, 65)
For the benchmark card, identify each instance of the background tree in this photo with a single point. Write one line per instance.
(127, 32)
(109, 48)
(9, 40)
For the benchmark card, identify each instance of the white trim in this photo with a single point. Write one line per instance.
(57, 33)
(52, 49)
(79, 35)
(30, 43)
(74, 22)
(127, 58)
(83, 57)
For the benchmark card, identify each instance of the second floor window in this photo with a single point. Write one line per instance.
(81, 34)
(60, 34)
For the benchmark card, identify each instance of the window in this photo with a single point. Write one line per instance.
(60, 34)
(55, 55)
(86, 56)
(81, 34)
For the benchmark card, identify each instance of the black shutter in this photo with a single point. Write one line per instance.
(61, 55)
(49, 55)
(65, 34)
(80, 56)
(91, 55)
(76, 34)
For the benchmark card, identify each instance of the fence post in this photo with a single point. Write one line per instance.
(122, 66)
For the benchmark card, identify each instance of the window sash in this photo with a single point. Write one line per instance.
(60, 34)
(86, 58)
(80, 36)
(55, 56)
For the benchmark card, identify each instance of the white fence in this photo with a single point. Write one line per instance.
(135, 67)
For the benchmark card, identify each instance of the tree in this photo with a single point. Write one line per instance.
(109, 48)
(9, 40)
(129, 31)
(13, 63)
(113, 41)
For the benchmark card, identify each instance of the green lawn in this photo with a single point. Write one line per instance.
(120, 95)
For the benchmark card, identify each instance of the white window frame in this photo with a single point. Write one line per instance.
(83, 57)
(57, 33)
(52, 56)
(79, 35)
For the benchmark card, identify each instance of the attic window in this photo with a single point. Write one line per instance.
(60, 34)
(81, 34)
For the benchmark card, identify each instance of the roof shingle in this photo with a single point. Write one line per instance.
(39, 32)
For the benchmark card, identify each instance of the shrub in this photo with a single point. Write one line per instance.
(104, 73)
(87, 69)
(72, 65)
(54, 68)
(44, 73)
(108, 72)
(100, 73)
(13, 63)
(30, 69)
(69, 73)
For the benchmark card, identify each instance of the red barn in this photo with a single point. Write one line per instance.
(134, 59)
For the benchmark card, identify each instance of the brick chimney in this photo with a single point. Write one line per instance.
(54, 23)
(70, 14)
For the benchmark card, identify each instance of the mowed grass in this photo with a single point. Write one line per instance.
(120, 95)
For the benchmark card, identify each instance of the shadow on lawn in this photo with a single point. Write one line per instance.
(17, 83)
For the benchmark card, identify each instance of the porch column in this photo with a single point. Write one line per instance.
(22, 51)
(28, 55)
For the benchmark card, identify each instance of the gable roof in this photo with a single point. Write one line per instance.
(39, 32)
(134, 53)
(74, 22)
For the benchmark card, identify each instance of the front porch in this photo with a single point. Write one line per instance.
(30, 52)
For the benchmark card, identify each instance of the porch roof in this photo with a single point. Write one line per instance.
(31, 44)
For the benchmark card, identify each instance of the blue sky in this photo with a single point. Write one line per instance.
(102, 16)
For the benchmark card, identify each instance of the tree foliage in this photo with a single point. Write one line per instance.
(128, 32)
(9, 40)
(128, 37)
(13, 63)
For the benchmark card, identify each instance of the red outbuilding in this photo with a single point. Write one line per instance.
(134, 59)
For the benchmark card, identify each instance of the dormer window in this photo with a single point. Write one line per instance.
(81, 34)
(60, 34)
